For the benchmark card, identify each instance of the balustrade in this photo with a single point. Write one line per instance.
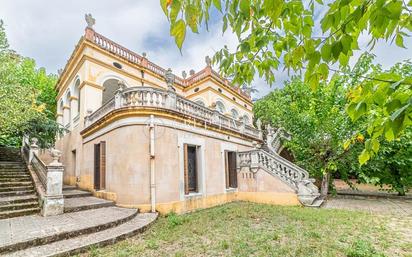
(276, 165)
(159, 98)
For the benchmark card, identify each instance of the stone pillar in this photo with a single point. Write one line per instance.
(171, 99)
(53, 202)
(74, 107)
(34, 149)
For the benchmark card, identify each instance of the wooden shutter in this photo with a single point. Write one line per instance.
(227, 169)
(232, 169)
(103, 165)
(185, 165)
(97, 166)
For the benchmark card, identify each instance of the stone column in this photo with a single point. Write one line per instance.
(53, 202)
(34, 149)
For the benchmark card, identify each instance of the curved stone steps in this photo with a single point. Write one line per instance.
(85, 203)
(85, 242)
(7, 214)
(45, 230)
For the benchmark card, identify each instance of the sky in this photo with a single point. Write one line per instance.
(48, 30)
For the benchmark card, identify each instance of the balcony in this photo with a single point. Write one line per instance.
(168, 101)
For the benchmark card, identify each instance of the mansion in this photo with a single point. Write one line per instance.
(143, 137)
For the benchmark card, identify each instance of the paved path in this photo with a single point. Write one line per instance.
(28, 228)
(379, 206)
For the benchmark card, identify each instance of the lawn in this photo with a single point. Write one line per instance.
(248, 229)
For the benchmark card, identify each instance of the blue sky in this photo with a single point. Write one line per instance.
(47, 30)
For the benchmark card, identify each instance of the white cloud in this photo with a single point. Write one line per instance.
(47, 30)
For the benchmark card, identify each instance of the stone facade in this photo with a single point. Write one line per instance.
(145, 125)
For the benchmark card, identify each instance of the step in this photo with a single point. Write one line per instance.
(15, 183)
(69, 187)
(60, 227)
(15, 179)
(16, 193)
(85, 203)
(17, 199)
(19, 206)
(76, 193)
(14, 173)
(83, 243)
(15, 188)
(17, 213)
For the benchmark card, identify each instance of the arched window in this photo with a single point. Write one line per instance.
(77, 93)
(235, 114)
(110, 87)
(246, 119)
(69, 114)
(200, 102)
(220, 107)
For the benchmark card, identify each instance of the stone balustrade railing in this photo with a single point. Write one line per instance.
(130, 56)
(48, 178)
(296, 177)
(274, 164)
(168, 99)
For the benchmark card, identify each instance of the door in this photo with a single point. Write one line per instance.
(231, 172)
(100, 166)
(190, 169)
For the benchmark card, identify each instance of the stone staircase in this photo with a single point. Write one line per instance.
(87, 222)
(17, 194)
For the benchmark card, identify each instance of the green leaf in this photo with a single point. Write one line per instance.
(364, 157)
(191, 17)
(245, 7)
(326, 52)
(178, 30)
(389, 134)
(399, 111)
(163, 4)
(273, 8)
(217, 4)
(336, 49)
(399, 40)
(174, 10)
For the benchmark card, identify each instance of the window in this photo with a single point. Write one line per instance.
(220, 107)
(117, 65)
(191, 169)
(110, 87)
(77, 93)
(100, 165)
(69, 114)
(230, 169)
(246, 119)
(235, 114)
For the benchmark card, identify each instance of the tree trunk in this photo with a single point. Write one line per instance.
(325, 185)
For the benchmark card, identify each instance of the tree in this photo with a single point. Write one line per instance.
(276, 34)
(27, 98)
(319, 127)
(317, 123)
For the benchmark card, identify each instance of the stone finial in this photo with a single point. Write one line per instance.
(192, 72)
(144, 54)
(170, 79)
(208, 60)
(259, 124)
(34, 142)
(90, 20)
(89, 111)
(59, 72)
(122, 85)
(184, 74)
(56, 154)
(269, 129)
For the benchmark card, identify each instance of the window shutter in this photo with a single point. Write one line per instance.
(103, 165)
(185, 164)
(97, 166)
(227, 169)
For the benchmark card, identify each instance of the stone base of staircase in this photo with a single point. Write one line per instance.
(88, 221)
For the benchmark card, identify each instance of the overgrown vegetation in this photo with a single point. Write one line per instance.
(27, 98)
(326, 141)
(247, 229)
(311, 37)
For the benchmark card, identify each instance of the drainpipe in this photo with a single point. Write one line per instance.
(152, 164)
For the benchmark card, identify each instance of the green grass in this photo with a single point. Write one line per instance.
(247, 229)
